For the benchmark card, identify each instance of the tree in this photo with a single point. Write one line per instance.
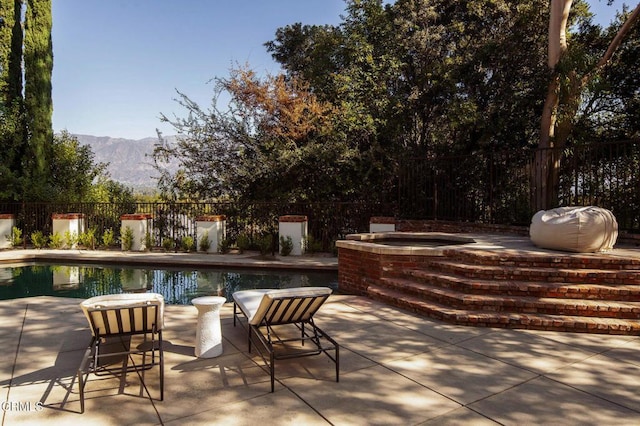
(274, 141)
(426, 78)
(422, 76)
(27, 133)
(471, 75)
(414, 78)
(10, 135)
(608, 108)
(617, 93)
(564, 95)
(72, 169)
(10, 52)
(36, 165)
(106, 190)
(311, 53)
(12, 131)
(38, 63)
(76, 177)
(356, 68)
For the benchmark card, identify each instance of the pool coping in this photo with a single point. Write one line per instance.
(371, 243)
(316, 262)
(486, 242)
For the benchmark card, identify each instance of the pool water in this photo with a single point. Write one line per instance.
(178, 286)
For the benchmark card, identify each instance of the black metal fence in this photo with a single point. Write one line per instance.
(605, 175)
(326, 221)
(495, 187)
(487, 187)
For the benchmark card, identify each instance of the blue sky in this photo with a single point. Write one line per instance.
(117, 63)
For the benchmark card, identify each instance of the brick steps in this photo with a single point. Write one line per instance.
(526, 288)
(591, 293)
(535, 273)
(511, 303)
(503, 319)
(564, 260)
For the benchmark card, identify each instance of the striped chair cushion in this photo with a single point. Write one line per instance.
(124, 313)
(287, 305)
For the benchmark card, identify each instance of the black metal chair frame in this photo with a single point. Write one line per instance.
(107, 335)
(288, 310)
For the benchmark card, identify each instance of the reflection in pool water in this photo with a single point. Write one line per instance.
(178, 286)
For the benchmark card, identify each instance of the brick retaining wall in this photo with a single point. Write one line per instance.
(358, 269)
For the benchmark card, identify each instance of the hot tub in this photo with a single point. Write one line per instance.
(364, 259)
(428, 243)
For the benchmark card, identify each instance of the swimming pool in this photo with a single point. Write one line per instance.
(178, 286)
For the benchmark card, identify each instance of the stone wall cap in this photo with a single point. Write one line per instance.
(211, 218)
(382, 219)
(67, 216)
(293, 218)
(136, 216)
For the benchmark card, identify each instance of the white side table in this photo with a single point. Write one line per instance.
(208, 331)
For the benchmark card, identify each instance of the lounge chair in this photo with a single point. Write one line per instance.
(113, 320)
(265, 310)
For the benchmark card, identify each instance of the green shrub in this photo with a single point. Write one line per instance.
(127, 239)
(187, 243)
(311, 245)
(70, 238)
(88, 238)
(204, 242)
(243, 242)
(168, 244)
(108, 238)
(224, 246)
(286, 245)
(147, 241)
(56, 241)
(265, 244)
(38, 239)
(16, 237)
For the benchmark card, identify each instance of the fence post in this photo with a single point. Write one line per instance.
(382, 224)
(215, 229)
(72, 223)
(7, 222)
(294, 226)
(140, 226)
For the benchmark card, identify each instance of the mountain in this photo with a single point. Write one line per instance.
(130, 161)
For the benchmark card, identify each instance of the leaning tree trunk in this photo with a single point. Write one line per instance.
(547, 164)
(555, 131)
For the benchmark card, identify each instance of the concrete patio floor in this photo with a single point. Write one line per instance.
(396, 369)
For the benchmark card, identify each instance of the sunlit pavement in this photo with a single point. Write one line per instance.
(396, 368)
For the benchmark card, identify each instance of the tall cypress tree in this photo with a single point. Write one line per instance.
(15, 56)
(38, 63)
(6, 18)
(12, 130)
(10, 51)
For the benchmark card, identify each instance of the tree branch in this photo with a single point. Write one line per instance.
(617, 40)
(613, 46)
